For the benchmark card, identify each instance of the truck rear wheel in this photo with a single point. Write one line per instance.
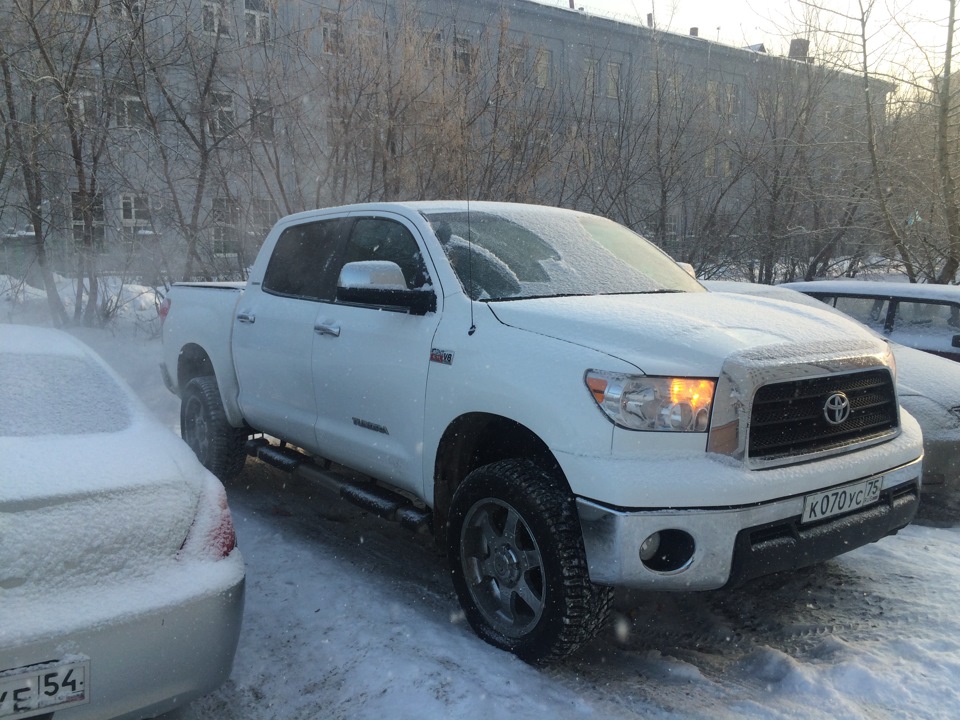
(203, 425)
(518, 563)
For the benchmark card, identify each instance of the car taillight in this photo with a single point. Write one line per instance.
(163, 310)
(212, 534)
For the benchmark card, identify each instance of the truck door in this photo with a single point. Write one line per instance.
(273, 333)
(370, 369)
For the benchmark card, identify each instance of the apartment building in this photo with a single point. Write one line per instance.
(170, 135)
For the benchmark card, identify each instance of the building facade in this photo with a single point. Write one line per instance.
(161, 140)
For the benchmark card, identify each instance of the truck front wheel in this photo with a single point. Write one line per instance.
(518, 564)
(203, 425)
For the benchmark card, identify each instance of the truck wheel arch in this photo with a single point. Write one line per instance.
(192, 362)
(477, 439)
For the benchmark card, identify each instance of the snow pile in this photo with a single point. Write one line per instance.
(120, 302)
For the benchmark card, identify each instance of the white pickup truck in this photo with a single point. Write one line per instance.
(551, 395)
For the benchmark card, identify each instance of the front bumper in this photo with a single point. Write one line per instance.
(716, 547)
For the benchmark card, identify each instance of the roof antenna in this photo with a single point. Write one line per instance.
(473, 326)
(466, 186)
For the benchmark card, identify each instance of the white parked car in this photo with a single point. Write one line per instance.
(929, 388)
(121, 589)
(921, 316)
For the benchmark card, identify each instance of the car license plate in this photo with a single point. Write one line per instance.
(828, 503)
(42, 689)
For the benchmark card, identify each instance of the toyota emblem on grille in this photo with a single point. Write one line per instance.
(837, 408)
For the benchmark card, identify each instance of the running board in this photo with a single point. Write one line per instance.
(365, 494)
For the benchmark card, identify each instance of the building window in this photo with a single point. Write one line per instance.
(135, 219)
(674, 226)
(80, 7)
(127, 8)
(214, 20)
(262, 215)
(733, 100)
(462, 55)
(83, 98)
(256, 17)
(591, 68)
(331, 33)
(433, 52)
(713, 97)
(223, 215)
(261, 119)
(542, 68)
(130, 111)
(543, 141)
(222, 115)
(95, 204)
(516, 60)
(710, 161)
(664, 88)
(613, 80)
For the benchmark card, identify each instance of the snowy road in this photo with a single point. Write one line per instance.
(351, 617)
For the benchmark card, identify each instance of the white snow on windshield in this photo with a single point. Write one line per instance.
(525, 251)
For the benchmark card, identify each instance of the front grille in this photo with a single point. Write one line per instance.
(788, 418)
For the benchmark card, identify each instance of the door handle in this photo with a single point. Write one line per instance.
(245, 316)
(331, 329)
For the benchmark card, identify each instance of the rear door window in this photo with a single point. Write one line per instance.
(302, 261)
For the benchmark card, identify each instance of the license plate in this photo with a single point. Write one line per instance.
(828, 503)
(43, 689)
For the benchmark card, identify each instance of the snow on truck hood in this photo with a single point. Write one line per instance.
(681, 333)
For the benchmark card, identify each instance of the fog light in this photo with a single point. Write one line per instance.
(668, 551)
(649, 547)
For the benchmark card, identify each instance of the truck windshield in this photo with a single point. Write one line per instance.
(514, 252)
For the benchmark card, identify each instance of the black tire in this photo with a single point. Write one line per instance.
(518, 563)
(203, 425)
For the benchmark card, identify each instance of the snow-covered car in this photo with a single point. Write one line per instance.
(121, 589)
(921, 316)
(929, 388)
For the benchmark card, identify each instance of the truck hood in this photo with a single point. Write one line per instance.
(684, 333)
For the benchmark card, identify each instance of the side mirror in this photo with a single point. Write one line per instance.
(381, 284)
(688, 268)
(956, 341)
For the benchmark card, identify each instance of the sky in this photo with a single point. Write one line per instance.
(774, 22)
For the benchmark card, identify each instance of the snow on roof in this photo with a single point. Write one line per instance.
(882, 288)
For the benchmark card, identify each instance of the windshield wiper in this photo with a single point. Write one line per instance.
(643, 292)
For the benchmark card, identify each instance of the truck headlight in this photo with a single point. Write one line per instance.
(639, 402)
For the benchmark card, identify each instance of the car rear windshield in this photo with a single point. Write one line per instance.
(58, 395)
(524, 252)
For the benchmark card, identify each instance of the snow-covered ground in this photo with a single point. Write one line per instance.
(348, 616)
